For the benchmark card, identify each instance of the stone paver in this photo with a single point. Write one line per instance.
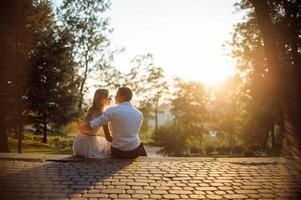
(65, 177)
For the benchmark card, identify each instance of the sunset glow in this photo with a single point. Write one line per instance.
(185, 37)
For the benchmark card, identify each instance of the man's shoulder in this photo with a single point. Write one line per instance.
(137, 110)
(112, 109)
(123, 108)
(115, 108)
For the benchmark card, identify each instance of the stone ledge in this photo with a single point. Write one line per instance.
(49, 158)
(257, 160)
(71, 158)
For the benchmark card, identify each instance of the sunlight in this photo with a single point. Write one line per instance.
(215, 76)
(186, 45)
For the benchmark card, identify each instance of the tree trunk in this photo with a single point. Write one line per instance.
(3, 128)
(20, 137)
(44, 131)
(292, 34)
(292, 39)
(3, 139)
(230, 142)
(82, 84)
(265, 139)
(292, 140)
(156, 115)
(281, 130)
(273, 135)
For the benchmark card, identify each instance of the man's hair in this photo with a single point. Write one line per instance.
(126, 93)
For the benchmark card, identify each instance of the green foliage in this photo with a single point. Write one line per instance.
(172, 139)
(148, 81)
(189, 110)
(263, 111)
(194, 143)
(270, 90)
(189, 107)
(52, 86)
(244, 111)
(48, 62)
(15, 35)
(90, 28)
(227, 111)
(145, 79)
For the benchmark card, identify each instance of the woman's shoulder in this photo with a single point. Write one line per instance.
(92, 113)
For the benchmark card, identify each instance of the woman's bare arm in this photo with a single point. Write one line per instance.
(107, 133)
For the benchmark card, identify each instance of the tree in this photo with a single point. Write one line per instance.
(52, 90)
(172, 139)
(90, 28)
(227, 111)
(276, 25)
(15, 42)
(188, 106)
(265, 46)
(108, 75)
(151, 85)
(290, 107)
(145, 79)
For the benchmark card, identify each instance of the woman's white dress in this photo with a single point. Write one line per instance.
(92, 145)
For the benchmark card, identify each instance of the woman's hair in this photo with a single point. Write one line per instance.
(96, 108)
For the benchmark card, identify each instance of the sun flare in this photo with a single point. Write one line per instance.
(215, 76)
(189, 46)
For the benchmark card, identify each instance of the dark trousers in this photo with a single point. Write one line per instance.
(139, 151)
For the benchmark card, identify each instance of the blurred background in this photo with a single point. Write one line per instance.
(212, 78)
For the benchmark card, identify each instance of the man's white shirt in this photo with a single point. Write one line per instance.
(125, 122)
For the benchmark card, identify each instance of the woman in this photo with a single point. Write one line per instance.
(89, 144)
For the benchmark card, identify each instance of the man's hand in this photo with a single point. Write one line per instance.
(84, 127)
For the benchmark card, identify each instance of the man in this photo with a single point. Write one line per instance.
(125, 122)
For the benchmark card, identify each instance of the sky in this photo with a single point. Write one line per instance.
(185, 36)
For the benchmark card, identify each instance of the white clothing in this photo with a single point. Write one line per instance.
(125, 121)
(91, 145)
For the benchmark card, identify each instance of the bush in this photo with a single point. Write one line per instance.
(222, 149)
(171, 139)
(237, 150)
(194, 143)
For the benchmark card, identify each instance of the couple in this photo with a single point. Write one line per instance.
(125, 122)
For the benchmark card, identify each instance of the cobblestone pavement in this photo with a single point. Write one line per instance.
(66, 177)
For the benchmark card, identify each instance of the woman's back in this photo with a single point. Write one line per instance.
(92, 113)
(89, 144)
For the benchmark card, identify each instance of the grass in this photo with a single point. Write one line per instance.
(33, 144)
(57, 144)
